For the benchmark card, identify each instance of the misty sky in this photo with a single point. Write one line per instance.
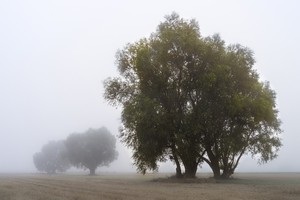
(55, 54)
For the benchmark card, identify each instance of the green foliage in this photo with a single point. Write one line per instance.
(192, 99)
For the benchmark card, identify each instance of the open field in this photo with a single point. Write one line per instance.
(275, 186)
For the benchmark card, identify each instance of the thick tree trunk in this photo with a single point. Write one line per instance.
(226, 173)
(190, 173)
(190, 170)
(216, 170)
(92, 171)
(175, 158)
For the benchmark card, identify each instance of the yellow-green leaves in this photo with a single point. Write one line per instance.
(193, 99)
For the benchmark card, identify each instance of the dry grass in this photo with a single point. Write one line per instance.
(131, 186)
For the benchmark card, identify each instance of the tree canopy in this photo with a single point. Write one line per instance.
(94, 148)
(192, 99)
(52, 158)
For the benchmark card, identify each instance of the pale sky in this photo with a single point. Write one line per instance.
(55, 54)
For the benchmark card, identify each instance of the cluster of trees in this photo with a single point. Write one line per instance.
(192, 99)
(88, 150)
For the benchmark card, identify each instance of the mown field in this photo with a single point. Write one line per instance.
(268, 186)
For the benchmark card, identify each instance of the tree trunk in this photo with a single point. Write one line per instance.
(178, 168)
(216, 170)
(92, 171)
(178, 172)
(190, 170)
(214, 164)
(226, 173)
(175, 158)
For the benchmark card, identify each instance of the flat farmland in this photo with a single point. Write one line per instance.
(275, 186)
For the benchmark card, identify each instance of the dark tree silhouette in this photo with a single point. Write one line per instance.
(192, 99)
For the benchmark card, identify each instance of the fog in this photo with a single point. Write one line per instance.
(54, 56)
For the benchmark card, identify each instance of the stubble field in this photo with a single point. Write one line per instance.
(275, 186)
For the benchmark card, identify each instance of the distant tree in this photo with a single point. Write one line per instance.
(52, 158)
(94, 148)
(192, 99)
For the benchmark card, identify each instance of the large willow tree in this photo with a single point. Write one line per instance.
(191, 99)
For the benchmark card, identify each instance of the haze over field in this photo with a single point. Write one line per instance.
(55, 55)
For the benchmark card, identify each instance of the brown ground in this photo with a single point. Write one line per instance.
(277, 186)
